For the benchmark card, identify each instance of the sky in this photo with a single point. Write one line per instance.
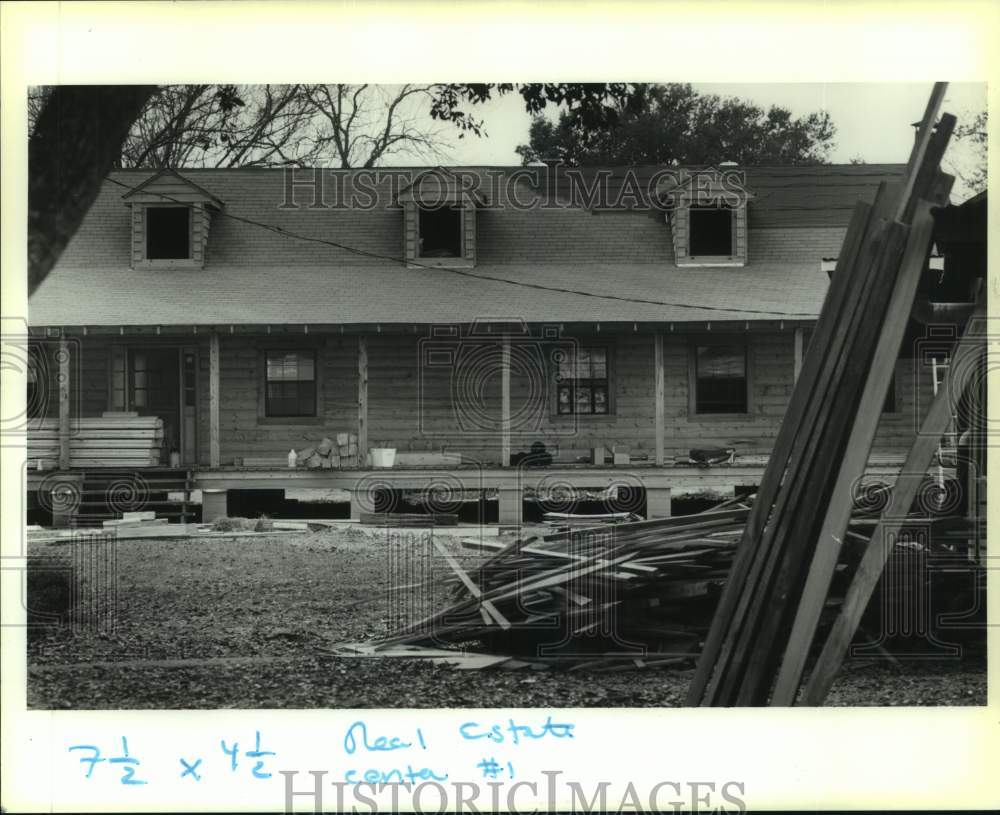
(873, 120)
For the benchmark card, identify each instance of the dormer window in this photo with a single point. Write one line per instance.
(710, 231)
(170, 221)
(439, 220)
(168, 233)
(440, 232)
(708, 217)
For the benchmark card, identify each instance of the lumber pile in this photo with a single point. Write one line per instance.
(409, 519)
(779, 585)
(114, 440)
(330, 454)
(145, 519)
(623, 595)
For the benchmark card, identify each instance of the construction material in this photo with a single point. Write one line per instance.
(964, 368)
(607, 595)
(408, 519)
(804, 500)
(107, 441)
(329, 455)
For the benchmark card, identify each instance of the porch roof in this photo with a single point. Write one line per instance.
(341, 294)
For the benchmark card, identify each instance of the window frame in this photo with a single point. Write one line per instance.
(609, 357)
(732, 255)
(262, 381)
(746, 342)
(421, 258)
(183, 261)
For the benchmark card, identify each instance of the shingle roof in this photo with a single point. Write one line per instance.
(256, 276)
(365, 294)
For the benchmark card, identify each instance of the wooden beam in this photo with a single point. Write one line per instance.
(213, 400)
(797, 341)
(964, 366)
(362, 399)
(505, 401)
(852, 465)
(658, 396)
(64, 404)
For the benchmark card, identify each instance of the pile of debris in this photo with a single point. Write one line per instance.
(625, 596)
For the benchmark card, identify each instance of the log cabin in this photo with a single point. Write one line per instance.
(621, 317)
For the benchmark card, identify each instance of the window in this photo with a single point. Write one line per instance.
(168, 233)
(290, 383)
(582, 382)
(441, 232)
(720, 379)
(711, 231)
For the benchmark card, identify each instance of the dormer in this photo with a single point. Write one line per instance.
(439, 220)
(707, 210)
(170, 221)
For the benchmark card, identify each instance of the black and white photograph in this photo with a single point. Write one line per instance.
(372, 396)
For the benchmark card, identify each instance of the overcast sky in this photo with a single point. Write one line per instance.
(873, 120)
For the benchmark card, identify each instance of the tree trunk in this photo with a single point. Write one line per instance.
(76, 141)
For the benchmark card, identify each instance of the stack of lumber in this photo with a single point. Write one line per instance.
(108, 441)
(408, 519)
(779, 584)
(630, 594)
(634, 595)
(329, 454)
(145, 519)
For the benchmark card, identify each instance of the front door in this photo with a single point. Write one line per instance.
(154, 390)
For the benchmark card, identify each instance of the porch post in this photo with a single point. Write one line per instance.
(505, 401)
(362, 400)
(213, 400)
(64, 455)
(797, 354)
(658, 394)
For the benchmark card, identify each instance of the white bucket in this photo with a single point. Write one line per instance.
(383, 457)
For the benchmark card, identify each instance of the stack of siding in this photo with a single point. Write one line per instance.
(108, 441)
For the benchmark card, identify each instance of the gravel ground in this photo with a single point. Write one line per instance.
(242, 623)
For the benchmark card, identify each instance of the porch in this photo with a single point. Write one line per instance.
(480, 394)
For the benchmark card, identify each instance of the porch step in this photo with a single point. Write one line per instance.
(106, 494)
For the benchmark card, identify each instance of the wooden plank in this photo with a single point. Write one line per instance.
(214, 458)
(659, 422)
(836, 302)
(487, 606)
(64, 406)
(797, 340)
(852, 465)
(505, 401)
(964, 367)
(773, 598)
(362, 443)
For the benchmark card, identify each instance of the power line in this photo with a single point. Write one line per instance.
(476, 275)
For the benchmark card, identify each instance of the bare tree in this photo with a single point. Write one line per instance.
(360, 125)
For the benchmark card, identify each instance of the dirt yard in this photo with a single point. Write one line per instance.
(243, 623)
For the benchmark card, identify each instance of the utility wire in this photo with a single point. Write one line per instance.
(476, 275)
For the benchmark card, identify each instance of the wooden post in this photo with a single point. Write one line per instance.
(797, 339)
(964, 365)
(362, 401)
(509, 500)
(658, 395)
(213, 400)
(64, 457)
(658, 502)
(505, 401)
